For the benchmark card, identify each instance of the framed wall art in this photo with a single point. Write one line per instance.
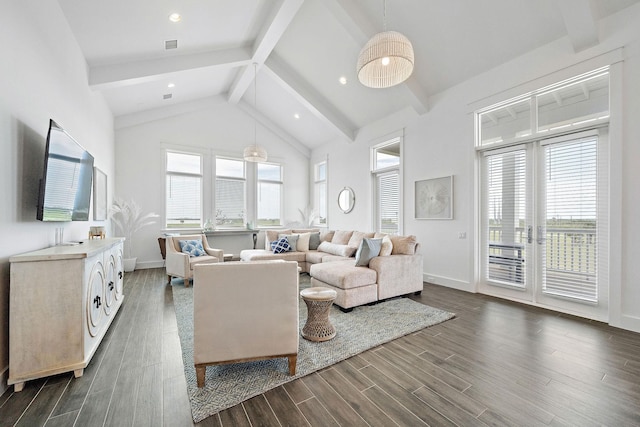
(434, 198)
(99, 195)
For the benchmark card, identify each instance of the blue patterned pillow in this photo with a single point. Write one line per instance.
(280, 245)
(192, 247)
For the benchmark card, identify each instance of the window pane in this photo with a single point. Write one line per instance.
(184, 163)
(506, 214)
(575, 104)
(505, 123)
(321, 201)
(570, 252)
(230, 208)
(183, 201)
(269, 172)
(387, 156)
(229, 168)
(321, 172)
(269, 203)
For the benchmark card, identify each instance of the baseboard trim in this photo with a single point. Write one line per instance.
(630, 323)
(448, 282)
(149, 264)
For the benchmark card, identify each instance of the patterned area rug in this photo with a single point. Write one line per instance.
(365, 327)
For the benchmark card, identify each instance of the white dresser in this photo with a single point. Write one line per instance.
(62, 301)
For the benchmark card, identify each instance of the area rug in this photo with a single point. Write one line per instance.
(363, 328)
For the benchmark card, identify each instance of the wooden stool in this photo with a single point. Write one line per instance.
(319, 301)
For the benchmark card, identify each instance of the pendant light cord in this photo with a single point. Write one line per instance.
(384, 15)
(255, 104)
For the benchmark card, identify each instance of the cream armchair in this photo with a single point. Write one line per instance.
(245, 311)
(179, 264)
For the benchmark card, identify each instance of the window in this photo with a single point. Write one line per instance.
(230, 191)
(386, 161)
(320, 192)
(183, 190)
(269, 189)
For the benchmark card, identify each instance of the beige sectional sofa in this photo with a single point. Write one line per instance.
(396, 271)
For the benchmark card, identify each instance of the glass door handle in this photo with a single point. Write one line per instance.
(541, 239)
(529, 234)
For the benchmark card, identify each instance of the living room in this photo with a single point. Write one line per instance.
(46, 77)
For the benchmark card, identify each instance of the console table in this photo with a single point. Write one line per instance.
(62, 302)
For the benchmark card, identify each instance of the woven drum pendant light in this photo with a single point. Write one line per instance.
(254, 152)
(386, 60)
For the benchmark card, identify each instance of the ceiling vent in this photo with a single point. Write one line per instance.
(170, 44)
(167, 96)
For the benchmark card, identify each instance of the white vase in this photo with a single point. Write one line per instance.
(129, 264)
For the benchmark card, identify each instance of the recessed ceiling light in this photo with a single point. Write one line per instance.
(175, 17)
(343, 80)
(296, 116)
(171, 85)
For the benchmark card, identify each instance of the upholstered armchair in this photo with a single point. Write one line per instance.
(245, 311)
(180, 264)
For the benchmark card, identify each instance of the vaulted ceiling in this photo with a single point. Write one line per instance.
(301, 49)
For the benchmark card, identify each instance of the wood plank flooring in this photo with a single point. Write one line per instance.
(497, 363)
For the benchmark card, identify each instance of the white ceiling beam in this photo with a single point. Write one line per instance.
(264, 45)
(136, 72)
(309, 97)
(362, 29)
(580, 23)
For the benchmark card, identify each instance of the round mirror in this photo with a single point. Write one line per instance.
(346, 199)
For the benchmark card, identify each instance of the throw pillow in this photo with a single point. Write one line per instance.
(341, 237)
(292, 239)
(192, 247)
(303, 242)
(356, 238)
(281, 245)
(314, 241)
(403, 245)
(387, 247)
(272, 236)
(368, 249)
(335, 249)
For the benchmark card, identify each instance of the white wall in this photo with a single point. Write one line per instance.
(220, 128)
(43, 76)
(441, 143)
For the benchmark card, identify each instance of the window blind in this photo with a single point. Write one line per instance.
(505, 207)
(389, 202)
(570, 251)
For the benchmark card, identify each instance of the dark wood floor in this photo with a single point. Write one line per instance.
(496, 363)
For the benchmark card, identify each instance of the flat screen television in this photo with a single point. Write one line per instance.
(65, 187)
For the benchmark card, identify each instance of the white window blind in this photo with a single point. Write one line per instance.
(505, 207)
(269, 187)
(230, 199)
(388, 190)
(570, 251)
(183, 192)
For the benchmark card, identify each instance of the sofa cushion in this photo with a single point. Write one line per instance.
(280, 245)
(356, 238)
(203, 259)
(272, 235)
(343, 274)
(341, 237)
(192, 247)
(314, 257)
(336, 249)
(292, 239)
(314, 241)
(303, 242)
(368, 249)
(403, 245)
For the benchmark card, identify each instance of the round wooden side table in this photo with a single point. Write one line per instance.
(319, 301)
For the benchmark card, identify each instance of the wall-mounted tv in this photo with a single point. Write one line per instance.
(65, 187)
